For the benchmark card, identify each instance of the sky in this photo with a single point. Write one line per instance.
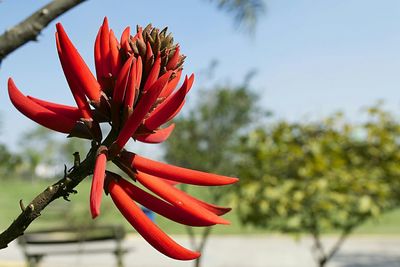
(312, 58)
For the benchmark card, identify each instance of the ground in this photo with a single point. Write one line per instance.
(237, 251)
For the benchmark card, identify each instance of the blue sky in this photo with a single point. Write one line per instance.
(312, 57)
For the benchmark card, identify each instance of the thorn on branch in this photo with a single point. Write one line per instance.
(21, 205)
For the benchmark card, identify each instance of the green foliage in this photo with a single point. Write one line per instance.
(323, 176)
(329, 175)
(9, 163)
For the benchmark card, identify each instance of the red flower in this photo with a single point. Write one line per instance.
(134, 91)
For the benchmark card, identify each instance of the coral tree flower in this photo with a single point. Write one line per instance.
(135, 90)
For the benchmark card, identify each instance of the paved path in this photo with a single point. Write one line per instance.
(236, 251)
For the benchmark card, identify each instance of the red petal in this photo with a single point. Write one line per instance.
(153, 75)
(139, 70)
(158, 136)
(168, 107)
(68, 111)
(125, 35)
(142, 108)
(174, 60)
(217, 210)
(171, 85)
(98, 62)
(130, 87)
(105, 48)
(122, 81)
(78, 95)
(125, 40)
(96, 190)
(159, 206)
(37, 113)
(176, 198)
(149, 51)
(115, 59)
(176, 111)
(154, 235)
(78, 67)
(175, 173)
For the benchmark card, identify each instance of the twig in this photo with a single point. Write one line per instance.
(30, 28)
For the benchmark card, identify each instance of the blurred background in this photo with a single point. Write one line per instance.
(299, 99)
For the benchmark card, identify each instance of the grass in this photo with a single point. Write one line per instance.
(76, 212)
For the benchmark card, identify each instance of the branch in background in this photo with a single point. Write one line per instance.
(30, 28)
(63, 188)
(246, 12)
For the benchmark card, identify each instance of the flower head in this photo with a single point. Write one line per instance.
(135, 90)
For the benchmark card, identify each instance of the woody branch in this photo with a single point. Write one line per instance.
(28, 29)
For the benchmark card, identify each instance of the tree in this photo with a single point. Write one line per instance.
(205, 138)
(315, 177)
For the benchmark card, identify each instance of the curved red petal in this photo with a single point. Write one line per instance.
(175, 173)
(176, 198)
(37, 113)
(217, 210)
(122, 81)
(78, 67)
(146, 228)
(98, 62)
(115, 59)
(68, 111)
(139, 71)
(167, 108)
(171, 85)
(149, 51)
(105, 48)
(96, 189)
(174, 60)
(125, 40)
(161, 207)
(153, 75)
(125, 35)
(158, 136)
(78, 95)
(130, 91)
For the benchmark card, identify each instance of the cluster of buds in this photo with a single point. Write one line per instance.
(136, 92)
